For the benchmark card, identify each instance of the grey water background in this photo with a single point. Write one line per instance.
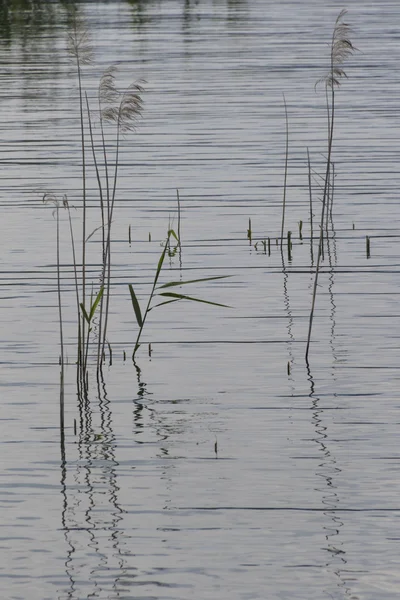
(303, 500)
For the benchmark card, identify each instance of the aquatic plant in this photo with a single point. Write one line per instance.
(311, 207)
(57, 203)
(120, 109)
(80, 51)
(341, 48)
(286, 169)
(172, 296)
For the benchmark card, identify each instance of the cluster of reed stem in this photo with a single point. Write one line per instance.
(121, 109)
(340, 49)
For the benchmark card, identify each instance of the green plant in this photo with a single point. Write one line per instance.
(311, 207)
(80, 51)
(120, 109)
(88, 316)
(341, 49)
(249, 232)
(52, 199)
(172, 296)
(286, 169)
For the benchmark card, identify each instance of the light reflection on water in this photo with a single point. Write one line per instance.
(302, 498)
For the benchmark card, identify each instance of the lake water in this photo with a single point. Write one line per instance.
(301, 500)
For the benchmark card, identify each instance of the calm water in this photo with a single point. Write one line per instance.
(302, 502)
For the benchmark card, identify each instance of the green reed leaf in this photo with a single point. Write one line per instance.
(96, 303)
(183, 297)
(86, 316)
(175, 283)
(136, 307)
(166, 302)
(172, 232)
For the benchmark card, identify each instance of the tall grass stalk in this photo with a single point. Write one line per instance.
(341, 49)
(76, 281)
(80, 50)
(332, 193)
(179, 216)
(311, 207)
(123, 109)
(61, 324)
(52, 199)
(286, 169)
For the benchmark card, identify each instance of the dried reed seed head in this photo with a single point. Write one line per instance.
(50, 198)
(108, 92)
(79, 44)
(123, 108)
(341, 49)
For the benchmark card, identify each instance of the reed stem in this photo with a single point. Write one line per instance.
(286, 170)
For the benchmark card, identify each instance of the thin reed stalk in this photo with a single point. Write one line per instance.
(80, 51)
(311, 207)
(122, 109)
(76, 281)
(62, 410)
(341, 48)
(52, 199)
(286, 169)
(332, 189)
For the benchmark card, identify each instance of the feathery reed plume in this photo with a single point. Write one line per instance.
(341, 49)
(123, 109)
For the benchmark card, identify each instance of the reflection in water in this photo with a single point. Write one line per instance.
(332, 256)
(91, 513)
(327, 471)
(289, 326)
(328, 468)
(24, 19)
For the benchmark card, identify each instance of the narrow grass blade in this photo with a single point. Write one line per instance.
(96, 303)
(83, 309)
(166, 302)
(136, 306)
(183, 297)
(176, 283)
(172, 232)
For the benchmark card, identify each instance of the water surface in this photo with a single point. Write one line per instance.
(301, 500)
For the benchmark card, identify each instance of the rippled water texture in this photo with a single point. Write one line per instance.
(222, 466)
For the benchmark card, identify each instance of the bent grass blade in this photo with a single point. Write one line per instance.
(183, 297)
(173, 297)
(93, 305)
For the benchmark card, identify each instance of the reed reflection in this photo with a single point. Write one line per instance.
(327, 471)
(91, 514)
(289, 318)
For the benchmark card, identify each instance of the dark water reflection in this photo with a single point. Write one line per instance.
(27, 21)
(91, 515)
